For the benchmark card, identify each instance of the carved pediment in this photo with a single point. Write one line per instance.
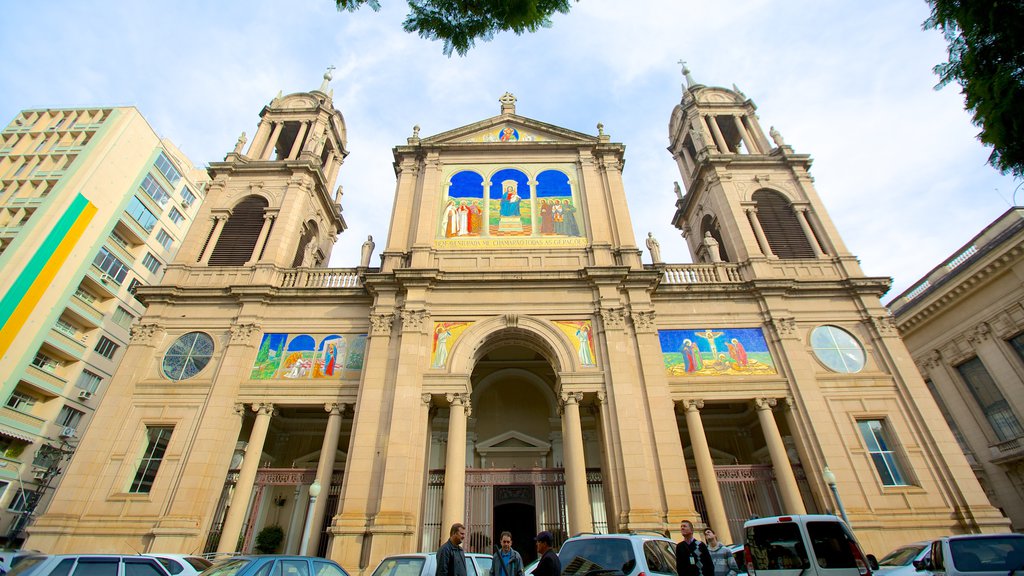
(513, 442)
(510, 129)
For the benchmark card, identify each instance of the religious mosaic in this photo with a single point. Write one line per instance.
(506, 205)
(445, 334)
(581, 334)
(716, 352)
(507, 133)
(305, 356)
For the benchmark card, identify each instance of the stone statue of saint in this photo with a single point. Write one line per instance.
(698, 139)
(678, 190)
(776, 137)
(654, 248)
(367, 251)
(240, 143)
(713, 248)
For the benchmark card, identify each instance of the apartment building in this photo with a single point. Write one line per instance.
(93, 204)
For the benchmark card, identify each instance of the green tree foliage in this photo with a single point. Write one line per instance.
(459, 23)
(986, 57)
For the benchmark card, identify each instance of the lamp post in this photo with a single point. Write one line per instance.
(314, 491)
(830, 478)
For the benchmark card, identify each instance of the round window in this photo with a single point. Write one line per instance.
(188, 356)
(837, 349)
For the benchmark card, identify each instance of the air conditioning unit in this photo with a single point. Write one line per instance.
(85, 394)
(39, 474)
(68, 432)
(106, 278)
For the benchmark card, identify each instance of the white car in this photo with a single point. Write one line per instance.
(182, 564)
(900, 562)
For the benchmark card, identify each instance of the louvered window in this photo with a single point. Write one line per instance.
(238, 239)
(781, 228)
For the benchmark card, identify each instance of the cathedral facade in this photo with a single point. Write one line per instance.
(511, 363)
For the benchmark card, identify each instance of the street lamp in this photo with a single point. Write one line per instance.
(314, 491)
(830, 479)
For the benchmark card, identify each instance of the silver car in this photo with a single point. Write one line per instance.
(900, 562)
(425, 564)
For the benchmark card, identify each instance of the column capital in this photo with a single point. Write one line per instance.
(380, 324)
(458, 399)
(145, 334)
(692, 405)
(765, 403)
(643, 320)
(567, 398)
(239, 409)
(427, 399)
(750, 209)
(264, 408)
(334, 408)
(243, 333)
(801, 208)
(980, 333)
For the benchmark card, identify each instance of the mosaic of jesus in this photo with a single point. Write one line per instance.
(716, 352)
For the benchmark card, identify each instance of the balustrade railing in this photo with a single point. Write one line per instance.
(702, 274)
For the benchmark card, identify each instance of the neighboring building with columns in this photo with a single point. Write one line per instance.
(93, 204)
(511, 363)
(964, 326)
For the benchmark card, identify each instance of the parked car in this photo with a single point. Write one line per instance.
(425, 564)
(8, 558)
(274, 565)
(975, 554)
(632, 554)
(182, 564)
(805, 544)
(88, 565)
(900, 562)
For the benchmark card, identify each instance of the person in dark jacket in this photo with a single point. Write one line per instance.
(549, 564)
(506, 561)
(692, 556)
(451, 560)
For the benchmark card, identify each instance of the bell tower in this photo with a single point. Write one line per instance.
(747, 199)
(272, 203)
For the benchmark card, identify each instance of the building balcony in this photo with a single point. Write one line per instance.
(84, 312)
(132, 230)
(70, 347)
(101, 282)
(43, 381)
(21, 422)
(10, 468)
(1008, 451)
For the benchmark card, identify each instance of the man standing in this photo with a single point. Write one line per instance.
(451, 560)
(507, 562)
(692, 556)
(549, 564)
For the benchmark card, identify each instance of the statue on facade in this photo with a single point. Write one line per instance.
(714, 250)
(654, 248)
(776, 137)
(698, 139)
(677, 190)
(367, 251)
(240, 143)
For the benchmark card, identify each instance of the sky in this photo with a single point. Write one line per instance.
(896, 163)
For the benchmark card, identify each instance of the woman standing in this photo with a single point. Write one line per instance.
(725, 563)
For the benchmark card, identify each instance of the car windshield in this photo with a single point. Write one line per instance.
(227, 567)
(901, 556)
(400, 567)
(582, 556)
(26, 564)
(776, 546)
(993, 554)
(833, 544)
(198, 563)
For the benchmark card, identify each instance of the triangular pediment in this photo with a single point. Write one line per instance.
(513, 441)
(510, 129)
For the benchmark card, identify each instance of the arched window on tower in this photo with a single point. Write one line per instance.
(781, 227)
(709, 224)
(238, 239)
(304, 245)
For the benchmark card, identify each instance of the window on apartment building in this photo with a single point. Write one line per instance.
(88, 381)
(151, 263)
(45, 362)
(134, 285)
(20, 501)
(123, 318)
(164, 239)
(69, 417)
(106, 347)
(176, 216)
(20, 401)
(881, 447)
(155, 191)
(187, 197)
(164, 165)
(137, 210)
(47, 456)
(990, 399)
(111, 265)
(157, 438)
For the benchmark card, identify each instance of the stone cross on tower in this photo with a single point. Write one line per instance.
(690, 82)
(508, 103)
(327, 77)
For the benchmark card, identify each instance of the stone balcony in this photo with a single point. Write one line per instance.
(1007, 451)
(260, 275)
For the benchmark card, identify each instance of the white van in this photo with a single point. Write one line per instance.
(804, 545)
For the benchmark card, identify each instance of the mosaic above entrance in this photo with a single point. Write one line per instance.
(304, 356)
(445, 335)
(506, 207)
(581, 334)
(716, 352)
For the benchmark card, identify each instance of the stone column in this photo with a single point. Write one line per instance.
(246, 478)
(324, 471)
(272, 141)
(754, 129)
(992, 350)
(762, 241)
(801, 217)
(218, 227)
(578, 499)
(258, 139)
(297, 145)
(792, 502)
(723, 147)
(706, 471)
(453, 503)
(257, 251)
(750, 144)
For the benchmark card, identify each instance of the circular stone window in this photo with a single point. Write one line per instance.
(837, 349)
(188, 356)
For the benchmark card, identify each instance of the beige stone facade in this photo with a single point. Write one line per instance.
(963, 325)
(511, 363)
